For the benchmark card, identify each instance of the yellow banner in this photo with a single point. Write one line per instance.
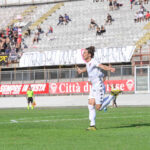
(3, 58)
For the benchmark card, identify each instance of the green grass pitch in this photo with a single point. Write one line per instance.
(64, 129)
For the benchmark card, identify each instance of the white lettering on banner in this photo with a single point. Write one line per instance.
(67, 57)
(10, 89)
(19, 89)
(25, 88)
(38, 87)
(62, 86)
(86, 88)
(69, 87)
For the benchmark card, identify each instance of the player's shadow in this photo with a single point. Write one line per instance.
(131, 126)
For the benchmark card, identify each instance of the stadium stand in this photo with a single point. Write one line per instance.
(119, 26)
(76, 34)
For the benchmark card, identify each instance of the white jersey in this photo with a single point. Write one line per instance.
(94, 72)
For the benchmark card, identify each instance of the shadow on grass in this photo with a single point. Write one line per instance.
(138, 125)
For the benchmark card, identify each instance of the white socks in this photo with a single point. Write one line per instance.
(106, 101)
(92, 114)
(92, 111)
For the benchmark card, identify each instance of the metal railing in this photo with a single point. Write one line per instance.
(59, 75)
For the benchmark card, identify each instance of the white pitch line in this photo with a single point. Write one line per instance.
(57, 116)
(57, 120)
(13, 121)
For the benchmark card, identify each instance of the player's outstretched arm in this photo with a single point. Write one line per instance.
(79, 70)
(107, 68)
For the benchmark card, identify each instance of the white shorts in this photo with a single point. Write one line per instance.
(97, 92)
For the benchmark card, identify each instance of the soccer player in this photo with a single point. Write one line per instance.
(30, 95)
(115, 92)
(95, 77)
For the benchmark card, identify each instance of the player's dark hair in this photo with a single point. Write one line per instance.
(91, 50)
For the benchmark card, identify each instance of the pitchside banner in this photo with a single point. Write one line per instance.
(71, 57)
(62, 87)
(84, 87)
(21, 89)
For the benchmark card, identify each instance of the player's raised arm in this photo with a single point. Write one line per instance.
(107, 68)
(79, 70)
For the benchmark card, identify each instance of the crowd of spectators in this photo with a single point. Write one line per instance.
(138, 2)
(40, 31)
(100, 30)
(63, 20)
(10, 42)
(114, 5)
(142, 15)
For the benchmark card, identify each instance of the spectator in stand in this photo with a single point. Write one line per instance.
(2, 50)
(19, 31)
(36, 38)
(18, 46)
(10, 34)
(109, 19)
(131, 2)
(28, 33)
(8, 46)
(95, 0)
(15, 37)
(61, 20)
(100, 31)
(142, 9)
(50, 30)
(140, 2)
(92, 24)
(136, 17)
(111, 5)
(1, 34)
(7, 31)
(115, 5)
(15, 28)
(39, 29)
(103, 30)
(147, 16)
(141, 16)
(66, 19)
(146, 1)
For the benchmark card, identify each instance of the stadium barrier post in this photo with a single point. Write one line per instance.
(148, 79)
(0, 73)
(22, 77)
(34, 76)
(121, 71)
(11, 77)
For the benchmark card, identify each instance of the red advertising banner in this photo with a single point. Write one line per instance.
(20, 89)
(84, 87)
(63, 87)
(123, 85)
(69, 87)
